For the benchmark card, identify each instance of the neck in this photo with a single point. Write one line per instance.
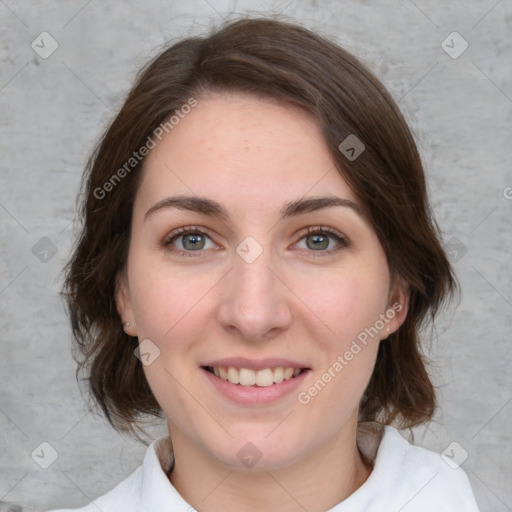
(316, 483)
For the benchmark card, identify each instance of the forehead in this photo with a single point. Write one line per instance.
(240, 148)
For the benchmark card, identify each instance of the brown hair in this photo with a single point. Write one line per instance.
(289, 63)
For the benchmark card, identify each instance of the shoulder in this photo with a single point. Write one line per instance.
(429, 478)
(146, 489)
(124, 495)
(411, 479)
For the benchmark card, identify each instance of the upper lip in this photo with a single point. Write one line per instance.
(254, 364)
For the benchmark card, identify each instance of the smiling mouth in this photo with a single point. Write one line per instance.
(261, 378)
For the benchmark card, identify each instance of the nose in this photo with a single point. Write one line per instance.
(255, 303)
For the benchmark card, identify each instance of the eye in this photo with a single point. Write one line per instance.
(322, 239)
(188, 240)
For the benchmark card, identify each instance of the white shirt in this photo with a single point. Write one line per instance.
(405, 478)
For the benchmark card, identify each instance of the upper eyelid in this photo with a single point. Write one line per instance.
(320, 229)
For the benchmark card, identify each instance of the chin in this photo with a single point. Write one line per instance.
(257, 451)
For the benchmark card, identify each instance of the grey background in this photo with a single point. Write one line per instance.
(53, 110)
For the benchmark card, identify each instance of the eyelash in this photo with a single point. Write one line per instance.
(341, 240)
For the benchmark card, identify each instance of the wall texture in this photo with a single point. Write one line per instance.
(65, 66)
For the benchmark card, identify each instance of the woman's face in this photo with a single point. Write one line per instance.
(250, 261)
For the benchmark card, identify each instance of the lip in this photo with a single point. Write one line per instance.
(255, 395)
(255, 364)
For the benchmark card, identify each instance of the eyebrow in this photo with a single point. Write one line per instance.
(214, 209)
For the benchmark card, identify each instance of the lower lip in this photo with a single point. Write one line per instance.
(255, 395)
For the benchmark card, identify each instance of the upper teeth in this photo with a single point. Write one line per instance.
(248, 377)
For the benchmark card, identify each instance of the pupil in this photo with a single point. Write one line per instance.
(318, 242)
(193, 242)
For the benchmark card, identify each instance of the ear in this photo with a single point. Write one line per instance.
(123, 303)
(397, 308)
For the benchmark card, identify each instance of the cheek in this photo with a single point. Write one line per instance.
(165, 300)
(350, 306)
(348, 301)
(169, 307)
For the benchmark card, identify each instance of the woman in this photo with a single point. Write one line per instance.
(257, 258)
